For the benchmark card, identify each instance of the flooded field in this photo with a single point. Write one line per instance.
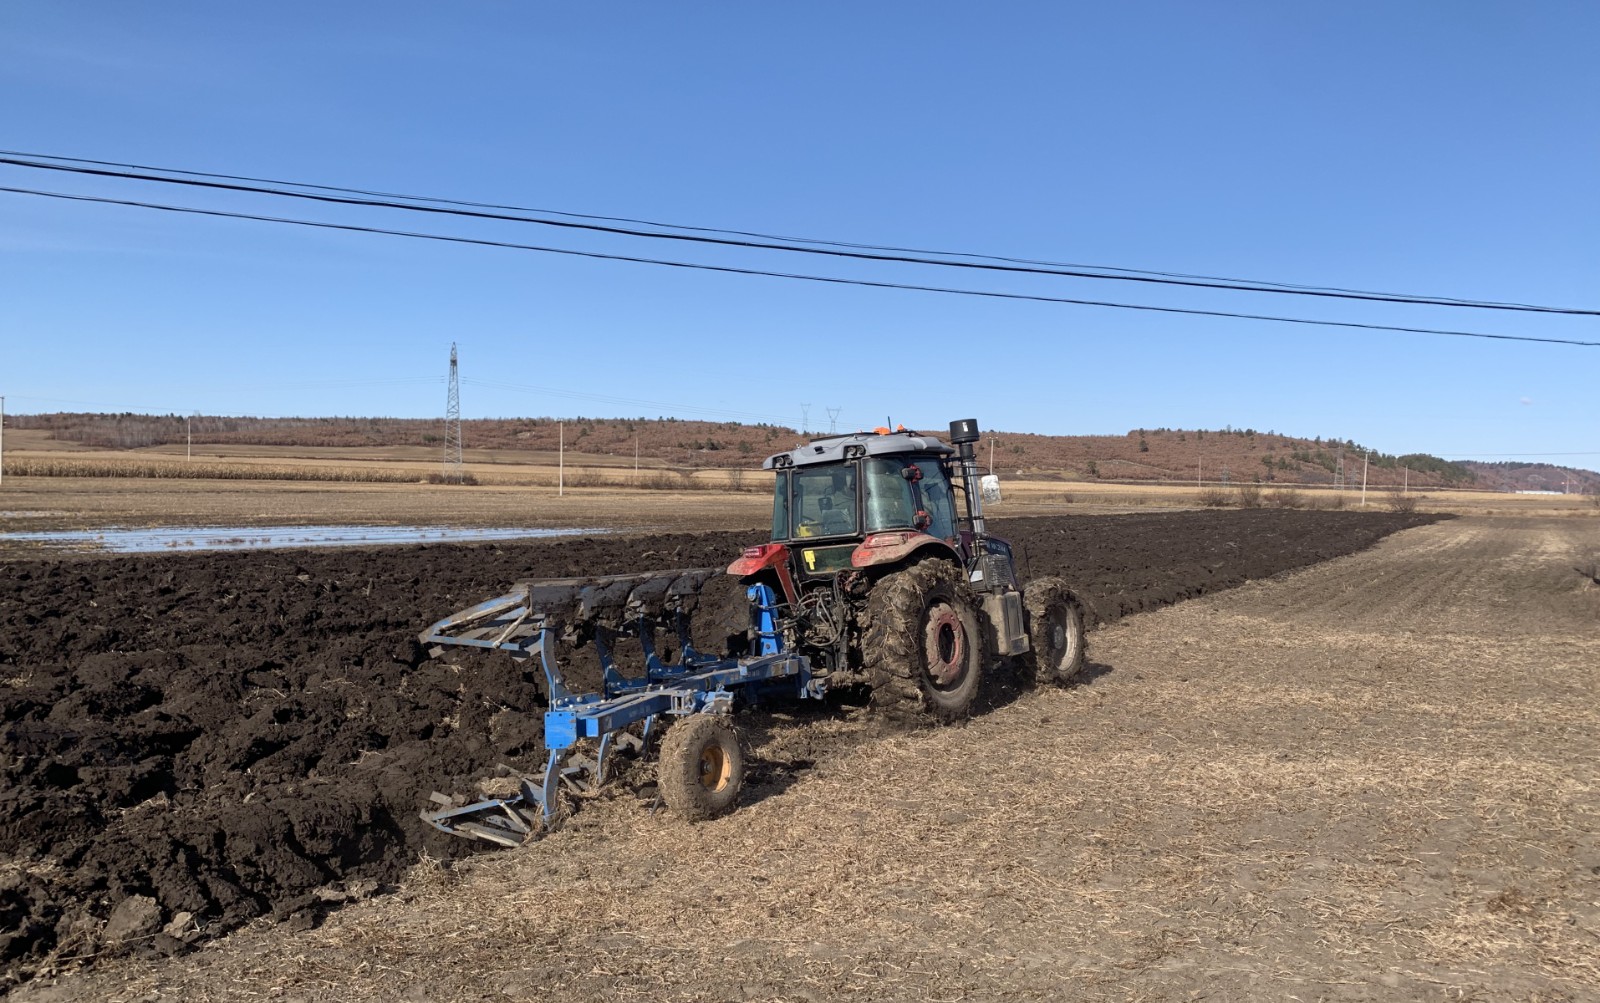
(185, 538)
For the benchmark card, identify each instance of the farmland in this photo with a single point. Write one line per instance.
(150, 697)
(245, 739)
(1373, 777)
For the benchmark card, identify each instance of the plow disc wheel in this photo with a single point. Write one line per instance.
(702, 767)
(1055, 631)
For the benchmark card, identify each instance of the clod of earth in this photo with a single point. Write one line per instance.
(195, 740)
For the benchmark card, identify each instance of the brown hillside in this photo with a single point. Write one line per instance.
(1148, 455)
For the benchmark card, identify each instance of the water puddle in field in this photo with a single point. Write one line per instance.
(183, 538)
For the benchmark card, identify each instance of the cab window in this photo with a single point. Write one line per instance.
(937, 500)
(780, 506)
(824, 501)
(890, 502)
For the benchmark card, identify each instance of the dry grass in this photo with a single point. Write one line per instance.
(257, 468)
(600, 497)
(1043, 496)
(1396, 501)
(29, 466)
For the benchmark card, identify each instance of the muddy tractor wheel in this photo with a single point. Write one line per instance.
(922, 645)
(1055, 631)
(702, 767)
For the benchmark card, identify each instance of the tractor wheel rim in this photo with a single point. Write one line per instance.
(945, 644)
(714, 768)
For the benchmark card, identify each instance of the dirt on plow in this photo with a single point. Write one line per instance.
(193, 741)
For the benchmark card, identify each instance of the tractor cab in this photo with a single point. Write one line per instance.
(868, 482)
(863, 495)
(866, 499)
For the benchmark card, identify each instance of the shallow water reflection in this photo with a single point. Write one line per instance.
(135, 541)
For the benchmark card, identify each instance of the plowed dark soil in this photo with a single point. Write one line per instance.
(245, 734)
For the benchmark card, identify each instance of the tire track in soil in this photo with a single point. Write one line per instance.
(1424, 749)
(236, 735)
(1477, 567)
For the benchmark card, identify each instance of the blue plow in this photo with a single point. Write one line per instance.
(529, 621)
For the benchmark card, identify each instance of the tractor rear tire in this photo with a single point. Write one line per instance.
(701, 768)
(1055, 619)
(922, 647)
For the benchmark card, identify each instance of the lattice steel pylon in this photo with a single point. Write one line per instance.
(453, 472)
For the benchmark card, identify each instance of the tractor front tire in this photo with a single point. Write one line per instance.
(922, 646)
(701, 768)
(1055, 621)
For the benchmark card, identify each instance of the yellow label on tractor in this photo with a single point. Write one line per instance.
(811, 559)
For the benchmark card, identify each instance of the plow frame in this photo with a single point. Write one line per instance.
(695, 683)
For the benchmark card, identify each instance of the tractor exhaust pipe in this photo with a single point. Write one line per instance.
(963, 434)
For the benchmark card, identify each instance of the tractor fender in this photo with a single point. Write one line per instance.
(763, 556)
(893, 547)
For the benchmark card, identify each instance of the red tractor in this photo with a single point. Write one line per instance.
(887, 576)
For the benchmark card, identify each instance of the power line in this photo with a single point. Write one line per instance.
(831, 251)
(693, 229)
(738, 233)
(802, 277)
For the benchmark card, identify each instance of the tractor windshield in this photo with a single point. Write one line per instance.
(900, 489)
(815, 501)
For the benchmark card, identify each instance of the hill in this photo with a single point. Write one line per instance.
(1142, 455)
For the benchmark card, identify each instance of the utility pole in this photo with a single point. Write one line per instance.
(2, 437)
(805, 418)
(561, 459)
(992, 441)
(1406, 488)
(188, 449)
(1364, 458)
(452, 424)
(636, 458)
(1199, 466)
(833, 420)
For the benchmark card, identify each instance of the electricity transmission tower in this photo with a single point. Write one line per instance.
(452, 424)
(1338, 473)
(833, 420)
(805, 418)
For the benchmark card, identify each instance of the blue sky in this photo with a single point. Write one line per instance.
(1446, 148)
